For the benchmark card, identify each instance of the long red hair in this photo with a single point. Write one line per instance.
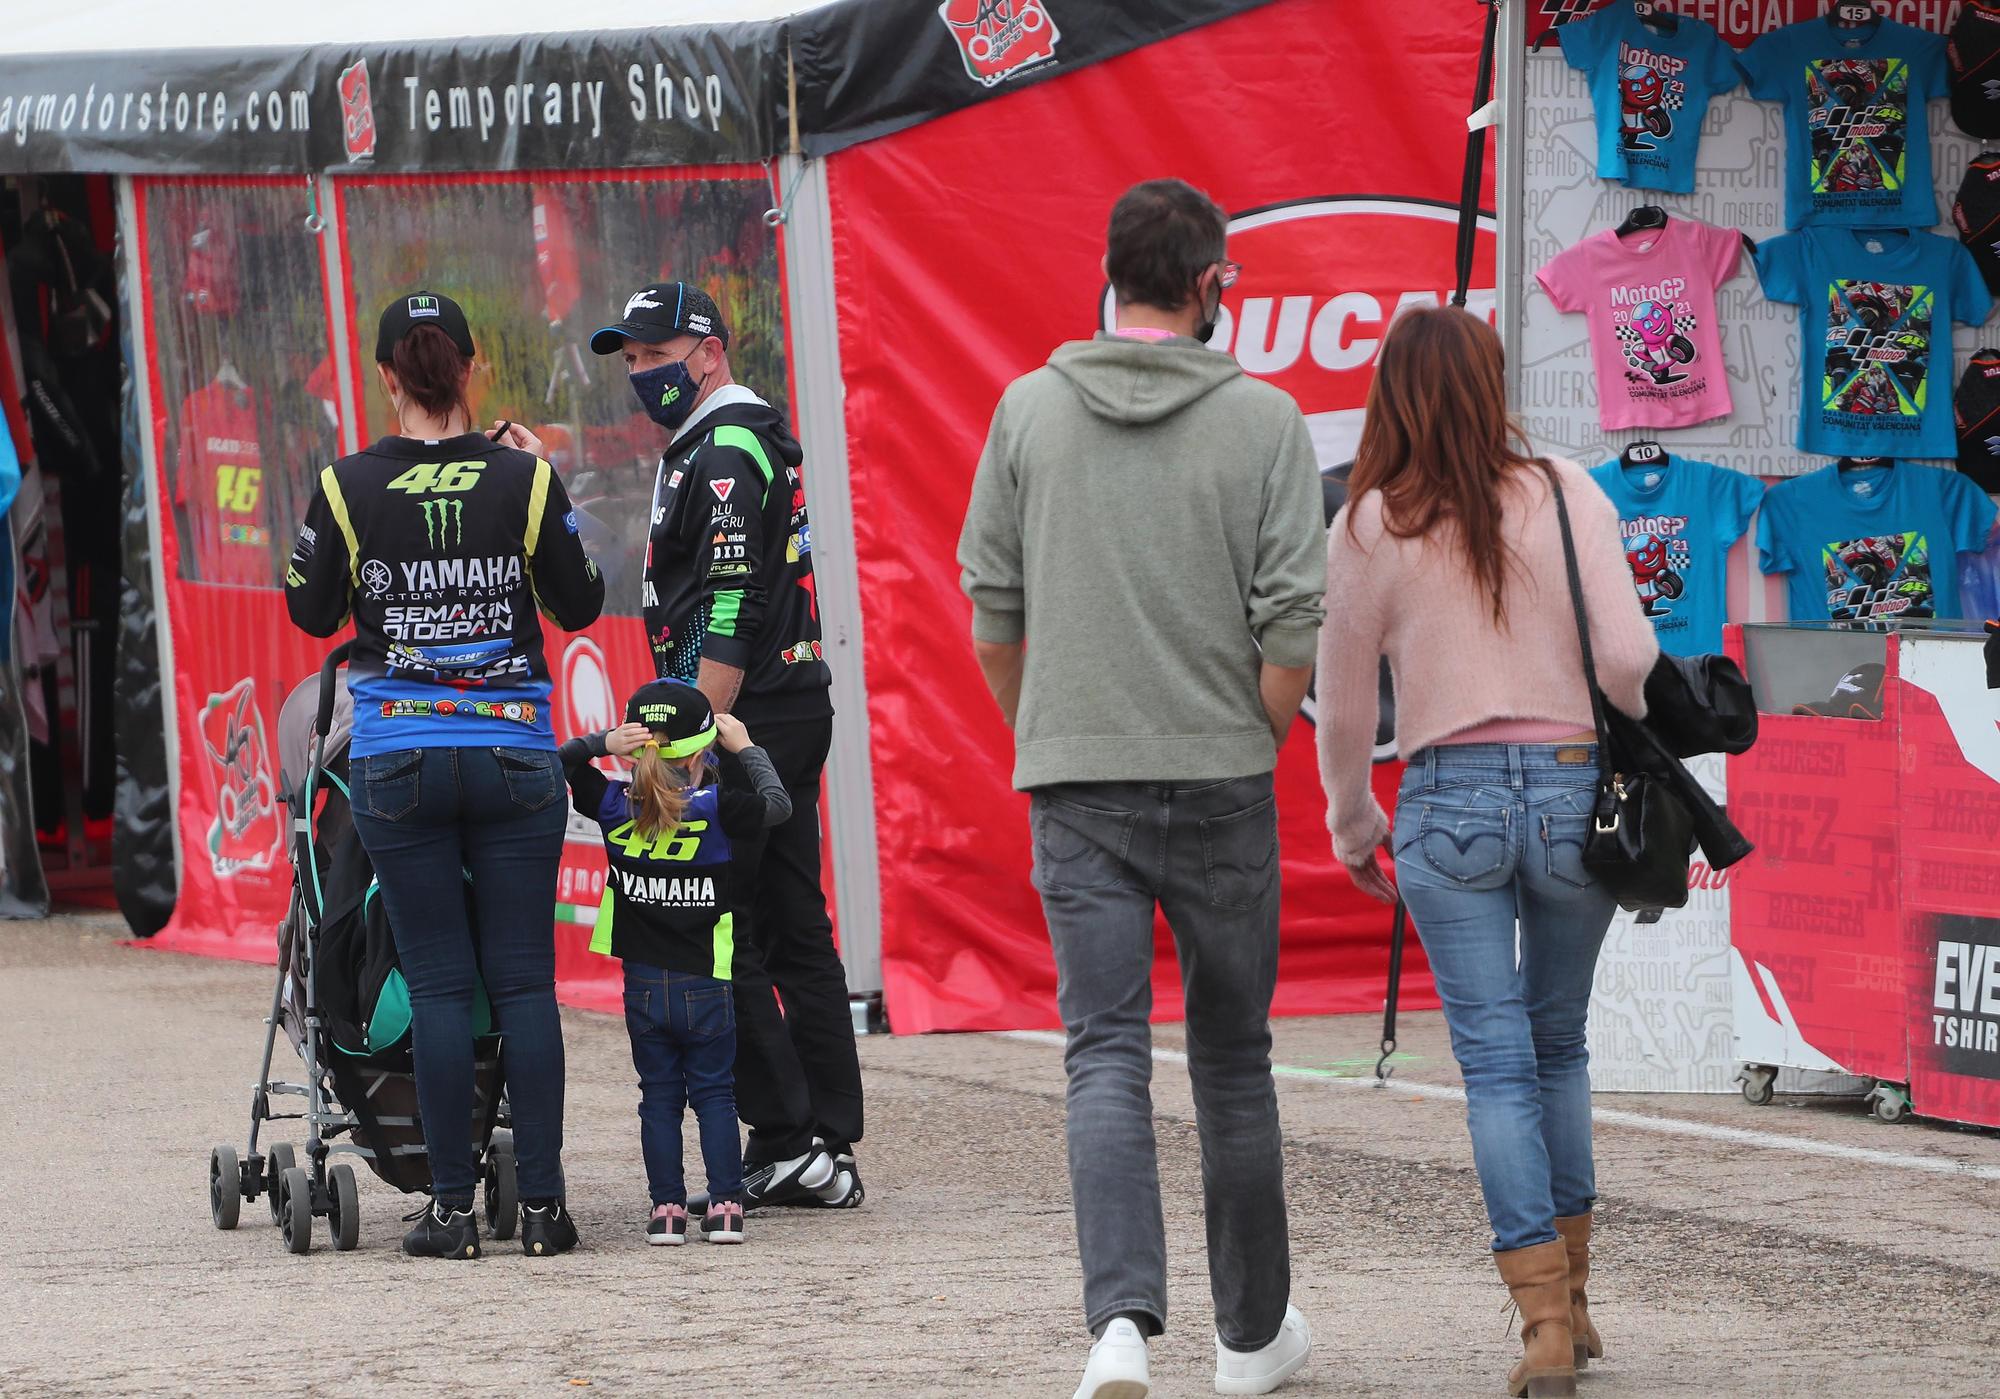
(1438, 442)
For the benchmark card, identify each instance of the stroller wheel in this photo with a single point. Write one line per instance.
(280, 1160)
(225, 1187)
(503, 1196)
(295, 1201)
(343, 1208)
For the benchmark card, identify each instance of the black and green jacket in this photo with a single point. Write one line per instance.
(729, 569)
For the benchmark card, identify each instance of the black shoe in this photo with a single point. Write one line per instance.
(442, 1233)
(547, 1231)
(844, 1191)
(790, 1182)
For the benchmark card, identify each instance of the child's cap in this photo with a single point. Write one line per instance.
(680, 712)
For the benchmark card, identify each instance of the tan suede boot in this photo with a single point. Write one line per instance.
(1575, 1231)
(1539, 1279)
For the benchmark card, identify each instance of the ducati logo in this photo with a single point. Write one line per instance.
(1000, 39)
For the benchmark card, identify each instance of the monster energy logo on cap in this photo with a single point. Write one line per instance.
(444, 523)
(423, 306)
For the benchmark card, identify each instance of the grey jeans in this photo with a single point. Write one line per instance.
(1206, 854)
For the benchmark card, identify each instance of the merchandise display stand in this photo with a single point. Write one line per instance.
(1863, 939)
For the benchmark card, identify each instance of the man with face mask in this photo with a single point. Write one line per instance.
(730, 606)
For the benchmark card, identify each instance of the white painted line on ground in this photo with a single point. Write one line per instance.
(1638, 1121)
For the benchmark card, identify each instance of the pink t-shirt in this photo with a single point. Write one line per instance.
(1649, 300)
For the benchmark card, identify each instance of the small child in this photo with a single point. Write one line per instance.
(666, 913)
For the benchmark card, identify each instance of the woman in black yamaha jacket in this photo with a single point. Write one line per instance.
(442, 544)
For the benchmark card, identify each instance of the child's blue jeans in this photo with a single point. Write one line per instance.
(683, 1030)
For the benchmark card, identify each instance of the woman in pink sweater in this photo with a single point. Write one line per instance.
(1449, 561)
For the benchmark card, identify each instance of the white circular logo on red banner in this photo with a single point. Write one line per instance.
(1322, 279)
(589, 703)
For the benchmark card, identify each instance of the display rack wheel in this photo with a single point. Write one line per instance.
(502, 1193)
(1669, 585)
(295, 1202)
(1890, 1105)
(1657, 121)
(1680, 349)
(1757, 1087)
(343, 1208)
(281, 1159)
(225, 1187)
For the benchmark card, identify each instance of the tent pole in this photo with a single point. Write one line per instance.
(334, 273)
(1510, 92)
(129, 236)
(822, 425)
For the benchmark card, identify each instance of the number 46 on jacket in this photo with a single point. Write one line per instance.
(431, 478)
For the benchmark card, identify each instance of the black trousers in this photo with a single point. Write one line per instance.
(797, 1073)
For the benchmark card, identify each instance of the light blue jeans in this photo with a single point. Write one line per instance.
(1489, 837)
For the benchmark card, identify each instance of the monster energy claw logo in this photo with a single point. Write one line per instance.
(444, 523)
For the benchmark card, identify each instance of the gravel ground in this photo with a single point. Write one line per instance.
(1727, 1265)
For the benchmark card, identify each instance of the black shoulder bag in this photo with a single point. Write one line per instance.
(1641, 834)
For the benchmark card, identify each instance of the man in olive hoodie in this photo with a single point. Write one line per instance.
(1146, 558)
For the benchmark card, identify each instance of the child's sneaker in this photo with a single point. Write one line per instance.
(723, 1224)
(669, 1225)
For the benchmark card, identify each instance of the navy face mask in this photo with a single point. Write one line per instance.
(667, 392)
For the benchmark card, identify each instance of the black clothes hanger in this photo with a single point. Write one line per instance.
(1852, 14)
(1642, 453)
(1654, 18)
(1646, 216)
(1847, 464)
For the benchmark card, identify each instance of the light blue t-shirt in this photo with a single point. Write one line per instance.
(1877, 544)
(1678, 518)
(1875, 313)
(1857, 126)
(1650, 88)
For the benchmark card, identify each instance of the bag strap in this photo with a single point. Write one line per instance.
(1475, 159)
(1582, 621)
(1396, 939)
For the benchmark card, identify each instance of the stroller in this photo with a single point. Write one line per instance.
(342, 1002)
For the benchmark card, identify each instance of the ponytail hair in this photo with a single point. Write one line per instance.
(660, 791)
(433, 371)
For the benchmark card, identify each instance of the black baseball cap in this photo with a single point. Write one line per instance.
(679, 713)
(406, 313)
(660, 312)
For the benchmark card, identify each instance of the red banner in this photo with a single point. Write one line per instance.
(963, 257)
(1739, 22)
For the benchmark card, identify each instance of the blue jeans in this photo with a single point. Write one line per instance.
(1489, 836)
(683, 1030)
(1109, 856)
(425, 815)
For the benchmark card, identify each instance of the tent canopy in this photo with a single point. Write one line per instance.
(249, 87)
(113, 26)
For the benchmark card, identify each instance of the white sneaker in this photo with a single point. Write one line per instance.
(1117, 1368)
(1261, 1371)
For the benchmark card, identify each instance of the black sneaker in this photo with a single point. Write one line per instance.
(442, 1233)
(844, 1191)
(547, 1231)
(783, 1182)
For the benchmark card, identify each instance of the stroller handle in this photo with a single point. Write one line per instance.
(327, 686)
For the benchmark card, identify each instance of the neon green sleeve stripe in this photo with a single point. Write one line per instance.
(728, 605)
(337, 503)
(538, 501)
(600, 938)
(744, 440)
(725, 945)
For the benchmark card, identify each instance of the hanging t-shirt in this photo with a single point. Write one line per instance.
(1678, 518)
(1878, 544)
(1875, 313)
(1972, 57)
(1650, 87)
(220, 485)
(1649, 302)
(1857, 134)
(1976, 215)
(1976, 416)
(1979, 582)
